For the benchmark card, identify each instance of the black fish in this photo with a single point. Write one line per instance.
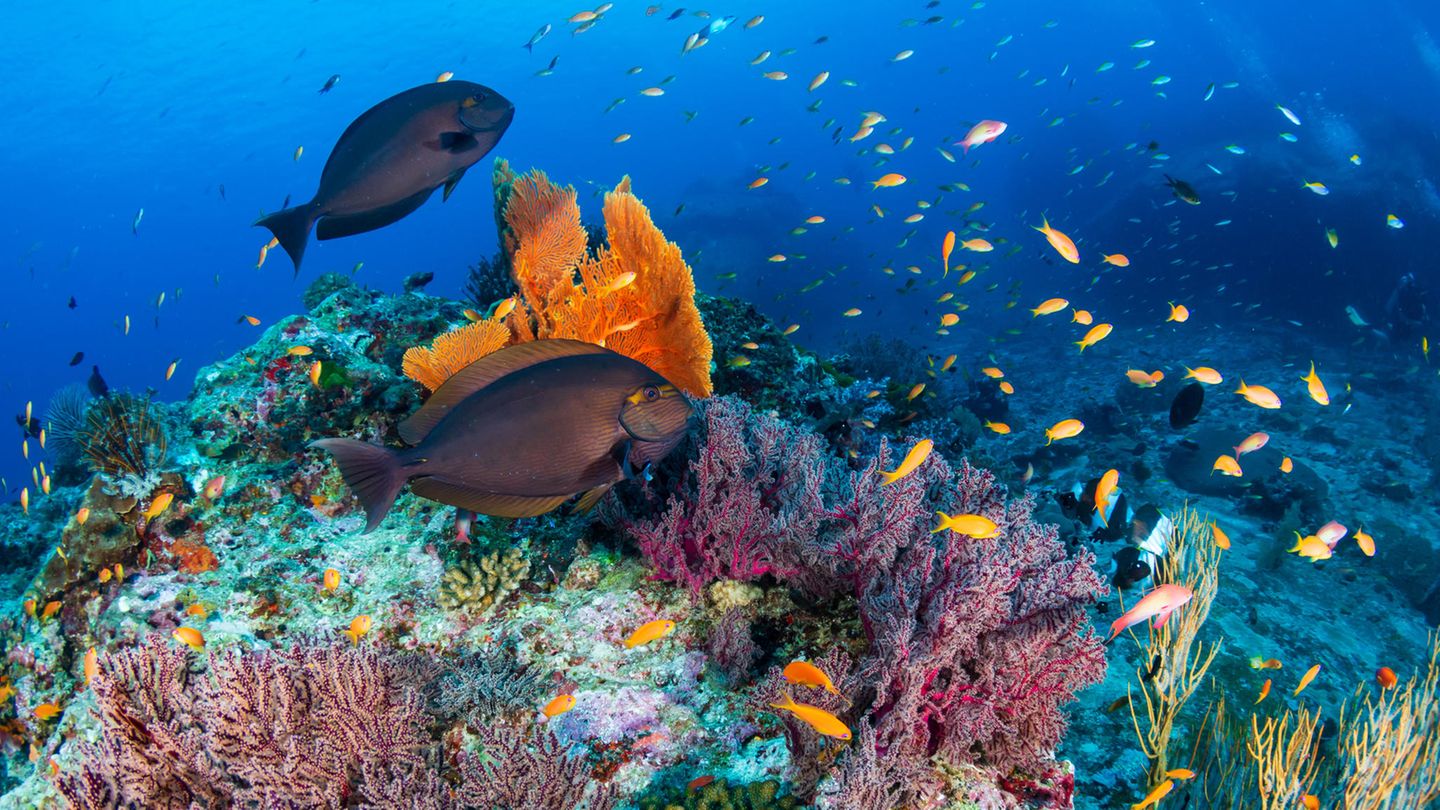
(330, 83)
(822, 40)
(29, 428)
(72, 303)
(1129, 568)
(1185, 408)
(1182, 190)
(222, 192)
(520, 431)
(675, 15)
(96, 383)
(77, 359)
(390, 160)
(1154, 669)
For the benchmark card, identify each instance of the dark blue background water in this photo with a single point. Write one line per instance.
(111, 107)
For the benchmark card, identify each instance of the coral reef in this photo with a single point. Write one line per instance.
(488, 686)
(478, 585)
(720, 795)
(975, 645)
(123, 439)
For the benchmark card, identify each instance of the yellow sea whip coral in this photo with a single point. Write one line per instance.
(635, 295)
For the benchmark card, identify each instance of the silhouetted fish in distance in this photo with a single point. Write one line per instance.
(520, 431)
(1185, 408)
(330, 84)
(390, 160)
(96, 383)
(77, 359)
(1182, 190)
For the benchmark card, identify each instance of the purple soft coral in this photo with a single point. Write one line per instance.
(975, 645)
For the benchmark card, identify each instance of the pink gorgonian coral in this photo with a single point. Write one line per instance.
(975, 646)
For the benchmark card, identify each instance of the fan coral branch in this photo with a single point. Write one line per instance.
(452, 351)
(121, 437)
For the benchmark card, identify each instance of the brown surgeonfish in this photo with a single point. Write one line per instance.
(390, 160)
(520, 431)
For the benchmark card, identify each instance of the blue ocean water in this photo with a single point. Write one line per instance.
(117, 107)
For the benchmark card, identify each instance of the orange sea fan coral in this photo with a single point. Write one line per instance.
(453, 351)
(650, 316)
(636, 295)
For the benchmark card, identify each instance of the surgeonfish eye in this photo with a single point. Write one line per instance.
(651, 393)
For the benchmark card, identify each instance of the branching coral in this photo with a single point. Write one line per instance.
(487, 687)
(479, 586)
(1178, 659)
(262, 729)
(975, 645)
(1390, 743)
(720, 795)
(313, 726)
(534, 774)
(1286, 758)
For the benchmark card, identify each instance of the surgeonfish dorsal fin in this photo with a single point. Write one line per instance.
(482, 373)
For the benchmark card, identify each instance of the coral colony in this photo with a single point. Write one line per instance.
(804, 604)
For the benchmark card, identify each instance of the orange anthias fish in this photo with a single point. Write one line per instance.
(1307, 678)
(977, 245)
(1062, 243)
(817, 718)
(46, 711)
(1082, 317)
(1385, 676)
(1204, 374)
(190, 637)
(1117, 259)
(1221, 538)
(1144, 379)
(890, 180)
(650, 631)
(1365, 542)
(999, 427)
(158, 505)
(359, 626)
(1179, 313)
(1287, 465)
(1159, 603)
(331, 580)
(1258, 395)
(1227, 465)
(1097, 333)
(1312, 548)
(559, 705)
(1316, 388)
(976, 526)
(1153, 797)
(1064, 429)
(946, 249)
(214, 488)
(1332, 533)
(1253, 442)
(807, 674)
(1264, 691)
(1103, 490)
(92, 665)
(983, 132)
(913, 460)
(1050, 307)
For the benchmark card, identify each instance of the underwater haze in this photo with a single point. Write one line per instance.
(1053, 381)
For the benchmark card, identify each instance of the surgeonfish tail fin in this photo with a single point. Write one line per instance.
(292, 228)
(374, 473)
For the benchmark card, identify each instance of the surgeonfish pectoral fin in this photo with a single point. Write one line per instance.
(450, 185)
(590, 498)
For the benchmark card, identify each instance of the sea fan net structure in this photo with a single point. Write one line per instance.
(634, 295)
